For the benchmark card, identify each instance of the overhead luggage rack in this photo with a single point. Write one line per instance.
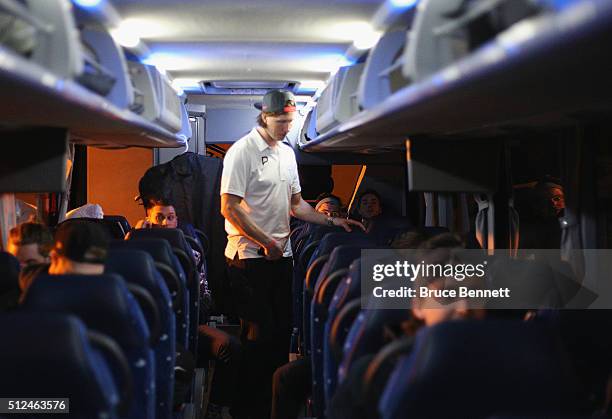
(33, 96)
(545, 71)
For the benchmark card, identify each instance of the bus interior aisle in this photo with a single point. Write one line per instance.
(465, 144)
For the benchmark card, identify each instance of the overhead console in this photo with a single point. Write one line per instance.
(470, 69)
(447, 30)
(382, 75)
(62, 70)
(338, 102)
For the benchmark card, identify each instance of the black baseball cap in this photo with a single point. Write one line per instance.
(82, 241)
(277, 101)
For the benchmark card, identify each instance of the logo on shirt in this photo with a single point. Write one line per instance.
(264, 160)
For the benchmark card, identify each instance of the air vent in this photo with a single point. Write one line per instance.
(254, 88)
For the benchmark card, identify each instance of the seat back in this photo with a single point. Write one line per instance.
(136, 266)
(334, 262)
(367, 335)
(379, 370)
(57, 361)
(180, 247)
(174, 276)
(121, 220)
(105, 305)
(489, 367)
(347, 290)
(113, 228)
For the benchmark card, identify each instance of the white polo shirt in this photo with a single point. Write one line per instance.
(265, 178)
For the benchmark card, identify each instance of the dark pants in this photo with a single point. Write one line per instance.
(226, 351)
(291, 386)
(261, 297)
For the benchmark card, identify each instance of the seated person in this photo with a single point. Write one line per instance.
(213, 343)
(369, 206)
(30, 243)
(161, 214)
(79, 248)
(329, 205)
(348, 399)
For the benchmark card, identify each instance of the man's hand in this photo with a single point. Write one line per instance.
(346, 223)
(143, 224)
(273, 250)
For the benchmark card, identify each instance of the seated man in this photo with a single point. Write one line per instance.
(80, 248)
(369, 206)
(161, 214)
(329, 205)
(213, 343)
(348, 399)
(30, 243)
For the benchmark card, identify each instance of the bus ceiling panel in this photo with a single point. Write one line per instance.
(33, 96)
(555, 65)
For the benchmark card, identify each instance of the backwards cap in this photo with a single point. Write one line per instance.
(277, 101)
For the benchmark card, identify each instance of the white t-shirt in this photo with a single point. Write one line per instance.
(265, 178)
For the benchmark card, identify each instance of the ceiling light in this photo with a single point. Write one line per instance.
(404, 3)
(124, 37)
(87, 3)
(311, 85)
(361, 33)
(143, 28)
(330, 63)
(167, 61)
(186, 84)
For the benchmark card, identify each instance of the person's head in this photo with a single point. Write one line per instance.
(277, 113)
(328, 204)
(369, 204)
(80, 248)
(30, 243)
(161, 213)
(442, 250)
(556, 198)
(549, 198)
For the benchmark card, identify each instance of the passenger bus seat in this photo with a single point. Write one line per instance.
(105, 305)
(53, 355)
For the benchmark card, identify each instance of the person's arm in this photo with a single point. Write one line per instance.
(302, 210)
(237, 216)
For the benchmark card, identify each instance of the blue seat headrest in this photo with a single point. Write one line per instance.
(102, 302)
(158, 249)
(135, 266)
(49, 354)
(332, 240)
(174, 236)
(342, 256)
(488, 367)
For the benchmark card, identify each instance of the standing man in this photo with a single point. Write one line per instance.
(260, 190)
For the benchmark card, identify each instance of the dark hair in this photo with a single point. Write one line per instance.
(32, 233)
(328, 195)
(368, 192)
(260, 120)
(81, 241)
(154, 201)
